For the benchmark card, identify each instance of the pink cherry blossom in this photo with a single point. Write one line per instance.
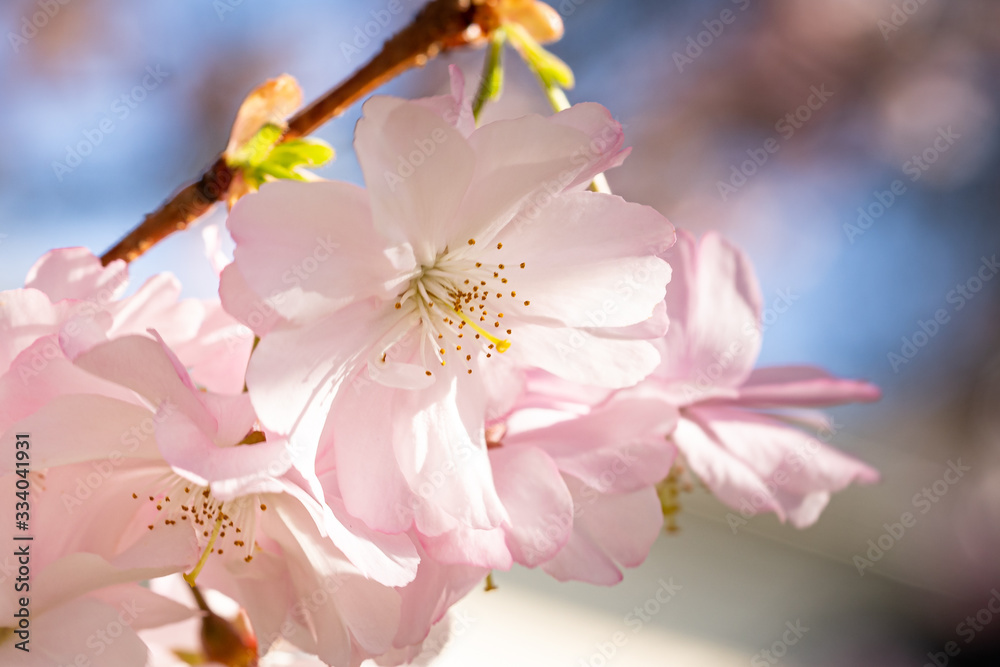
(728, 433)
(204, 476)
(475, 360)
(610, 461)
(579, 493)
(83, 607)
(752, 459)
(390, 300)
(426, 603)
(69, 292)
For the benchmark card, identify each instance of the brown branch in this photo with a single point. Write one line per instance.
(441, 25)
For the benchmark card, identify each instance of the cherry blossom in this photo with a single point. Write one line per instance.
(477, 360)
(580, 492)
(752, 459)
(69, 292)
(207, 478)
(391, 300)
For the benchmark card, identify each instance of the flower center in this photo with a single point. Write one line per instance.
(216, 522)
(458, 301)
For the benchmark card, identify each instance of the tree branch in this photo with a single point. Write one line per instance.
(440, 25)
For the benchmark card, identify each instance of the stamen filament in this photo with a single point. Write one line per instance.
(501, 345)
(193, 576)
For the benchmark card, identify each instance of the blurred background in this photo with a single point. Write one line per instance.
(877, 211)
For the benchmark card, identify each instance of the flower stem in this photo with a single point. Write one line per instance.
(441, 25)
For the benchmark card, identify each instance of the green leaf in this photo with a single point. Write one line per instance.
(279, 172)
(301, 152)
(262, 158)
(258, 148)
(253, 179)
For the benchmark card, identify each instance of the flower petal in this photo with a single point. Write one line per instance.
(426, 601)
(417, 169)
(79, 428)
(76, 273)
(368, 610)
(388, 559)
(537, 500)
(470, 546)
(157, 305)
(802, 386)
(428, 461)
(579, 356)
(25, 316)
(754, 463)
(295, 372)
(254, 312)
(522, 164)
(309, 247)
(40, 373)
(454, 107)
(714, 305)
(230, 471)
(589, 261)
(147, 367)
(604, 152)
(620, 447)
(67, 632)
(609, 530)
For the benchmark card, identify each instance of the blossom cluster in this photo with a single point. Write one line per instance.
(472, 362)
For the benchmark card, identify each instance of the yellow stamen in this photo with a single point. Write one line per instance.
(502, 345)
(193, 576)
